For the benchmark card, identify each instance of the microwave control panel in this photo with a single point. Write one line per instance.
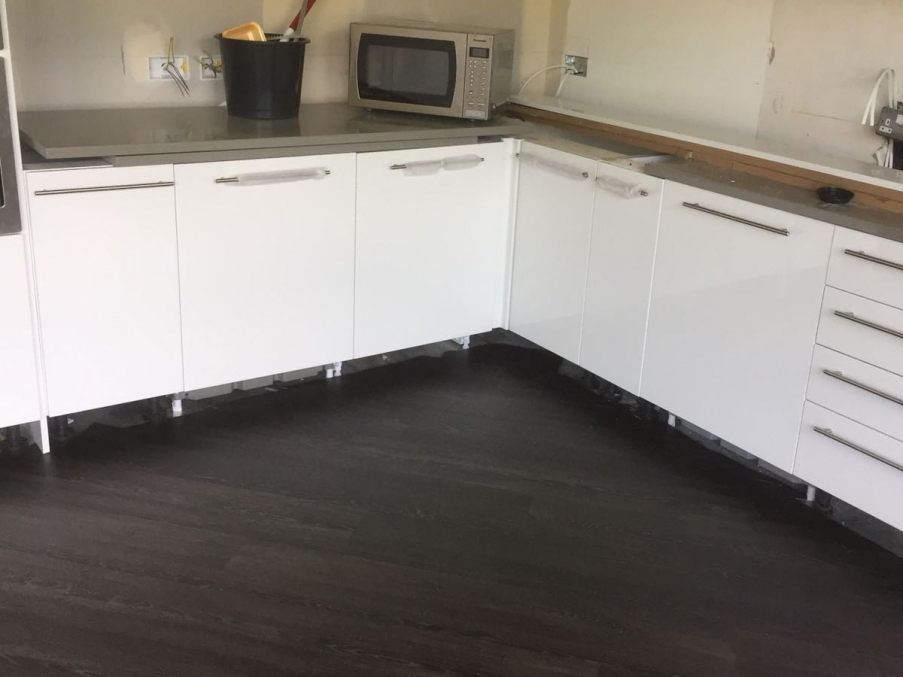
(477, 84)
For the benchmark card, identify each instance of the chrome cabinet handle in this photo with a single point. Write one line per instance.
(105, 189)
(551, 165)
(839, 375)
(866, 323)
(261, 178)
(827, 432)
(450, 163)
(737, 219)
(873, 259)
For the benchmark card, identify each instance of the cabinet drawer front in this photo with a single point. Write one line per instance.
(868, 266)
(431, 241)
(864, 329)
(19, 401)
(855, 463)
(858, 391)
(106, 265)
(264, 295)
(551, 251)
(46, 185)
(619, 281)
(733, 320)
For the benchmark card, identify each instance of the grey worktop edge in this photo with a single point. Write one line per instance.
(853, 217)
(509, 129)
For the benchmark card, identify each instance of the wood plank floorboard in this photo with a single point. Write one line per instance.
(477, 514)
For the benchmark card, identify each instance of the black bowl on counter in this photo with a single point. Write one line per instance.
(832, 195)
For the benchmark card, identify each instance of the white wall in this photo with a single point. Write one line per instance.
(692, 60)
(93, 53)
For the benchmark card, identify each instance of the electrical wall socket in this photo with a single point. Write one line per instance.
(211, 67)
(155, 67)
(577, 65)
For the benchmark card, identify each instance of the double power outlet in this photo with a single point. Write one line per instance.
(211, 67)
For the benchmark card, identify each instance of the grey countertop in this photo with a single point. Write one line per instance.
(780, 196)
(144, 132)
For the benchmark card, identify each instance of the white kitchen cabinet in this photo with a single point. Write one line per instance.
(551, 252)
(432, 229)
(735, 307)
(106, 264)
(19, 399)
(266, 254)
(619, 279)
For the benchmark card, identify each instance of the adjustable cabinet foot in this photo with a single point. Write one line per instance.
(811, 495)
(177, 407)
(464, 342)
(335, 371)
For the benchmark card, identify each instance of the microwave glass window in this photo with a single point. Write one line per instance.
(407, 70)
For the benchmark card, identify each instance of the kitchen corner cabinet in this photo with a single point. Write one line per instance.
(735, 307)
(619, 278)
(19, 399)
(431, 239)
(108, 285)
(551, 249)
(266, 252)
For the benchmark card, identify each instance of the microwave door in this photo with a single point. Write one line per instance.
(411, 73)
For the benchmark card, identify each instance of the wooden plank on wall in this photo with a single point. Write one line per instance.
(866, 194)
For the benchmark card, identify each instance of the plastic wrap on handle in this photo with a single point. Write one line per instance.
(462, 162)
(628, 191)
(262, 178)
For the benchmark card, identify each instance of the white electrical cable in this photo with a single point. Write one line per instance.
(564, 79)
(538, 73)
(884, 155)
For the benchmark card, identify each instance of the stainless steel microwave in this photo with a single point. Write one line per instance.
(453, 71)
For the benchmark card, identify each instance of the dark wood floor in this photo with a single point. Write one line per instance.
(474, 515)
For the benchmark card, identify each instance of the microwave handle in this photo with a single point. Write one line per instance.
(10, 212)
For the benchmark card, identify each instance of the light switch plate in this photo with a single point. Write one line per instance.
(577, 65)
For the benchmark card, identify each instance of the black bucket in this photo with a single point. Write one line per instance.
(263, 79)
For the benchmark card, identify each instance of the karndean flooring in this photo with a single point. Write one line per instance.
(476, 514)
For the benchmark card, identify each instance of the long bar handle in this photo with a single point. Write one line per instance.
(450, 163)
(827, 432)
(315, 174)
(105, 189)
(866, 323)
(561, 168)
(737, 219)
(839, 375)
(873, 259)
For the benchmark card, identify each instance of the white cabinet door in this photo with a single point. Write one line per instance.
(619, 282)
(19, 401)
(734, 315)
(108, 285)
(554, 225)
(431, 237)
(266, 253)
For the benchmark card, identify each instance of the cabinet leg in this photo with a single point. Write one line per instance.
(672, 420)
(177, 407)
(464, 342)
(811, 495)
(335, 371)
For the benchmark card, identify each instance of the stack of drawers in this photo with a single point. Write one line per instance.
(851, 444)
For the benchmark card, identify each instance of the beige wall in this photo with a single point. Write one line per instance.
(93, 53)
(693, 60)
(827, 56)
(711, 61)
